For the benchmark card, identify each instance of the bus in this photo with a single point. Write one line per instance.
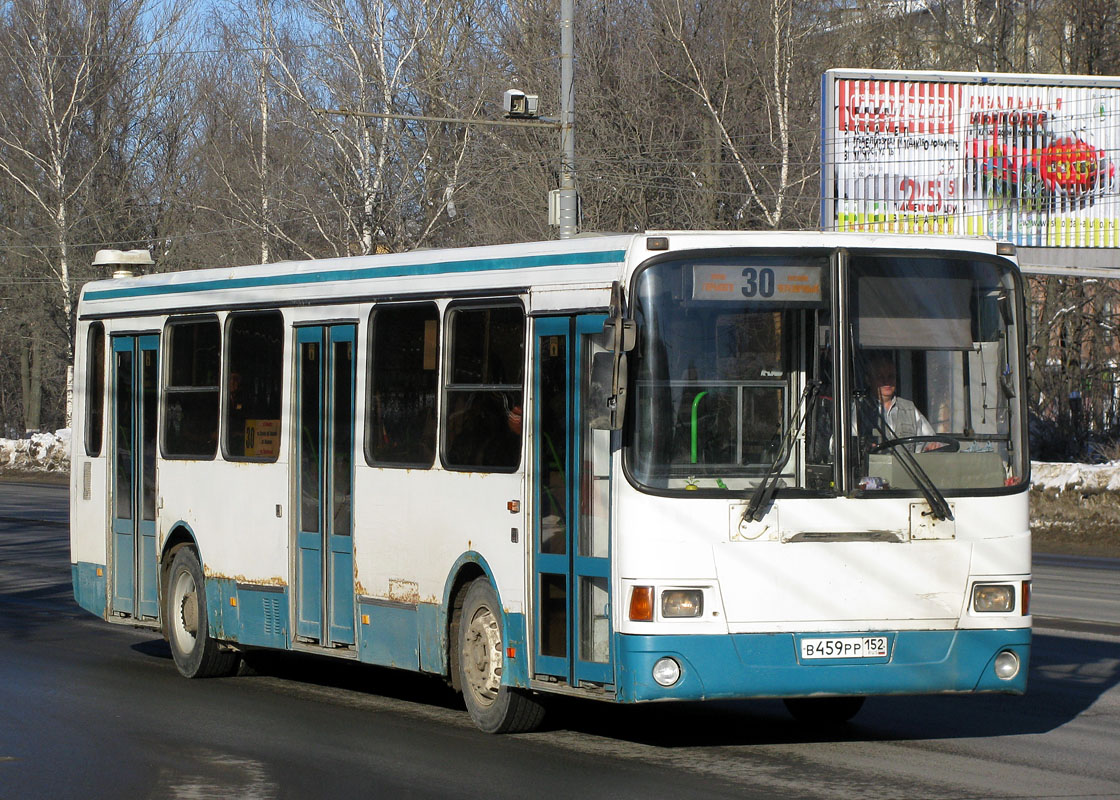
(633, 468)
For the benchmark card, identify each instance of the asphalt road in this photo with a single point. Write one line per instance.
(1074, 593)
(90, 710)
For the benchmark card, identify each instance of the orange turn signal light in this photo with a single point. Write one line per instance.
(641, 604)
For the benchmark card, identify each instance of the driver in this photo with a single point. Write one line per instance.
(902, 417)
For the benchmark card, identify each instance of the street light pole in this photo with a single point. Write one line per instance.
(569, 204)
(567, 201)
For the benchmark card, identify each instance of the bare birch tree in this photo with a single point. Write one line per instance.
(741, 69)
(65, 60)
(236, 141)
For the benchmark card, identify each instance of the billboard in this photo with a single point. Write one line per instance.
(1030, 159)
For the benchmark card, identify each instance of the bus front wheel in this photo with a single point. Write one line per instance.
(185, 623)
(493, 706)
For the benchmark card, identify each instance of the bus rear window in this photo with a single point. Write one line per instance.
(95, 389)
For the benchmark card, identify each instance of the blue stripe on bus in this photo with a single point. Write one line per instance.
(766, 665)
(365, 273)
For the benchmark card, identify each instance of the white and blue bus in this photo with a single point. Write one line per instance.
(632, 468)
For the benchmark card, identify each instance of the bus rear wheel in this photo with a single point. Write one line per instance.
(185, 623)
(824, 711)
(493, 706)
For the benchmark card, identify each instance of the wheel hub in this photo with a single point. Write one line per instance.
(482, 653)
(188, 612)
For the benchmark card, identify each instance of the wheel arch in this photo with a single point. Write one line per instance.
(196, 651)
(181, 535)
(467, 568)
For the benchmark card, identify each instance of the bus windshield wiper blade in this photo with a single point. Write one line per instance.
(937, 502)
(762, 494)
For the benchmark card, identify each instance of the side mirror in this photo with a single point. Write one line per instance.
(619, 335)
(606, 401)
(606, 398)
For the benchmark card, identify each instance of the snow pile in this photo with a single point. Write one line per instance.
(1081, 477)
(40, 452)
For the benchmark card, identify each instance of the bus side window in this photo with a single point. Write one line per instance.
(190, 419)
(404, 379)
(95, 389)
(253, 385)
(482, 407)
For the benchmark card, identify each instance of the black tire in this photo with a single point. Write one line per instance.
(185, 624)
(824, 711)
(493, 706)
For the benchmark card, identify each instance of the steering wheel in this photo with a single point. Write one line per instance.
(949, 444)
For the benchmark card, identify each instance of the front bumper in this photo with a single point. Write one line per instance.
(739, 666)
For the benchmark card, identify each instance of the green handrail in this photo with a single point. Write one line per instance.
(558, 464)
(695, 406)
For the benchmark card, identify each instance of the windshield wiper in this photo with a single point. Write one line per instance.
(938, 505)
(760, 499)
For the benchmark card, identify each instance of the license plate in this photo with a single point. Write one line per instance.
(845, 647)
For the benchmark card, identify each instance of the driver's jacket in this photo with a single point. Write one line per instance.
(904, 419)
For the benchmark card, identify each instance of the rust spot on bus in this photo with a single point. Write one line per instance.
(218, 576)
(402, 591)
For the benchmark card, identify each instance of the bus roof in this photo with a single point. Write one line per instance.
(511, 268)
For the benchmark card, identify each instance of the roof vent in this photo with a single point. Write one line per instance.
(123, 261)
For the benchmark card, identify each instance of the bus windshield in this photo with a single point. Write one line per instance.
(734, 352)
(935, 366)
(732, 381)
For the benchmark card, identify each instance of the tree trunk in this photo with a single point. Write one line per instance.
(31, 375)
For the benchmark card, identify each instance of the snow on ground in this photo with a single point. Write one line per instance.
(1082, 477)
(50, 452)
(41, 452)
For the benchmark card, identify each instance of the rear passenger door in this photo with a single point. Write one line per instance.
(135, 403)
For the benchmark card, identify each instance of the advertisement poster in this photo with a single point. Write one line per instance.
(1030, 159)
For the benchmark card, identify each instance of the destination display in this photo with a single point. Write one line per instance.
(757, 283)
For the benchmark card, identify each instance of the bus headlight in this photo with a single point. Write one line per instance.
(992, 597)
(1007, 665)
(682, 603)
(666, 671)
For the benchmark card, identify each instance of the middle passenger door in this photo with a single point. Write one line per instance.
(323, 478)
(571, 501)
